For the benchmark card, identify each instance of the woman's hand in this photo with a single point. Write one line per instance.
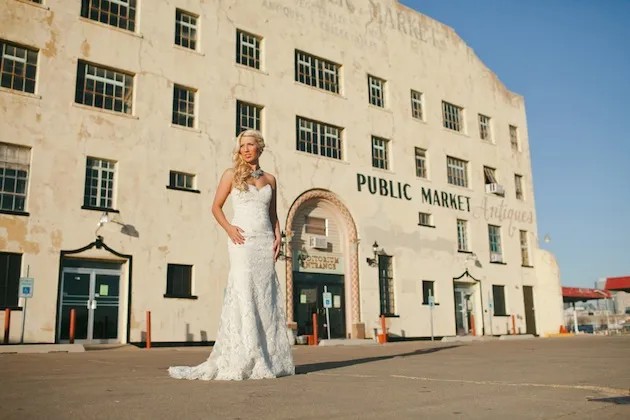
(235, 234)
(276, 248)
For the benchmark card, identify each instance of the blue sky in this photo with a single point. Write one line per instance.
(570, 59)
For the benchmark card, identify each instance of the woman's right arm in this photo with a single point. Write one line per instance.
(223, 190)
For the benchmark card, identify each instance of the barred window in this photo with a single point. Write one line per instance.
(484, 127)
(18, 67)
(452, 116)
(425, 219)
(518, 186)
(380, 153)
(376, 89)
(99, 183)
(14, 170)
(416, 105)
(247, 117)
(457, 171)
(118, 13)
(248, 49)
(186, 29)
(514, 137)
(386, 284)
(524, 248)
(494, 238)
(183, 106)
(462, 235)
(421, 162)
(181, 180)
(317, 72)
(319, 138)
(104, 88)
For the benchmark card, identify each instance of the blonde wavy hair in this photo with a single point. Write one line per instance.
(242, 171)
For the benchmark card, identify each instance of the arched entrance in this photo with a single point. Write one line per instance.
(323, 251)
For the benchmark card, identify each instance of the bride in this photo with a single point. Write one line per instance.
(252, 340)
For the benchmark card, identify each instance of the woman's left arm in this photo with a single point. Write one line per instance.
(273, 216)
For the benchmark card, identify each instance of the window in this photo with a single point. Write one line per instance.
(489, 175)
(457, 171)
(462, 235)
(386, 284)
(248, 49)
(318, 138)
(317, 72)
(425, 219)
(181, 181)
(416, 105)
(316, 225)
(10, 266)
(514, 137)
(104, 88)
(179, 281)
(428, 292)
(376, 89)
(380, 155)
(421, 162)
(183, 106)
(524, 249)
(99, 184)
(484, 127)
(118, 13)
(186, 29)
(498, 299)
(18, 67)
(36, 1)
(247, 117)
(494, 237)
(518, 186)
(14, 169)
(452, 116)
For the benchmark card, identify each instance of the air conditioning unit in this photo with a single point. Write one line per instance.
(496, 257)
(319, 242)
(494, 188)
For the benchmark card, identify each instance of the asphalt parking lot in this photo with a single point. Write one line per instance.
(581, 377)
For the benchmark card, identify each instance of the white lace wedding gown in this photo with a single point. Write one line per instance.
(252, 341)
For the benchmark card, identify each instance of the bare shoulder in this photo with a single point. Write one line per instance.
(271, 179)
(228, 174)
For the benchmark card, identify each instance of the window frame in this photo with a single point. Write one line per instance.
(376, 91)
(17, 159)
(422, 170)
(386, 288)
(320, 139)
(192, 37)
(248, 51)
(452, 117)
(485, 127)
(514, 138)
(99, 187)
(27, 65)
(524, 247)
(489, 175)
(428, 285)
(182, 272)
(10, 280)
(177, 114)
(494, 242)
(317, 72)
(424, 216)
(381, 153)
(87, 10)
(417, 105)
(175, 176)
(518, 187)
(126, 85)
(256, 118)
(499, 302)
(462, 236)
(311, 229)
(452, 171)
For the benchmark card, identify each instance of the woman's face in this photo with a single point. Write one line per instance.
(249, 149)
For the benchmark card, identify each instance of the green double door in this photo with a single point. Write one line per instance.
(308, 289)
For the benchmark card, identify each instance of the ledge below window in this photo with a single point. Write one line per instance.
(498, 262)
(166, 295)
(462, 251)
(527, 266)
(423, 225)
(13, 308)
(502, 315)
(15, 212)
(391, 316)
(168, 187)
(428, 304)
(106, 209)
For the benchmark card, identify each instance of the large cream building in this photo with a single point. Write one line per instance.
(405, 182)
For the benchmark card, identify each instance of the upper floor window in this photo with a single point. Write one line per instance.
(425, 219)
(118, 13)
(317, 72)
(186, 29)
(386, 284)
(484, 128)
(247, 117)
(524, 248)
(452, 116)
(518, 186)
(318, 138)
(18, 67)
(14, 170)
(183, 106)
(457, 171)
(380, 153)
(376, 89)
(248, 49)
(416, 105)
(421, 162)
(99, 183)
(181, 181)
(10, 268)
(104, 88)
(462, 235)
(494, 238)
(514, 137)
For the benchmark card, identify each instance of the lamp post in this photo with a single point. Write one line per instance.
(372, 262)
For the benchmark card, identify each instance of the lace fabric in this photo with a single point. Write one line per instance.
(252, 341)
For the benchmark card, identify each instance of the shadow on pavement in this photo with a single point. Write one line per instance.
(613, 400)
(314, 367)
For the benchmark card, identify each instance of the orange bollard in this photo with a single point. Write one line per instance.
(7, 325)
(513, 325)
(472, 324)
(73, 320)
(315, 330)
(148, 342)
(382, 338)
